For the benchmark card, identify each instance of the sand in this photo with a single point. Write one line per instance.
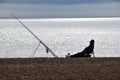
(60, 69)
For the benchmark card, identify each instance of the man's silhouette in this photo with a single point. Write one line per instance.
(86, 52)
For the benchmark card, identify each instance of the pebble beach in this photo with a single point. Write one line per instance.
(59, 69)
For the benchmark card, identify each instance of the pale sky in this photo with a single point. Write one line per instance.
(60, 8)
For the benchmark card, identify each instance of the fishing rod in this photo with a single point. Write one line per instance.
(40, 41)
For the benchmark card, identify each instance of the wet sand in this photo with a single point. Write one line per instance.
(60, 69)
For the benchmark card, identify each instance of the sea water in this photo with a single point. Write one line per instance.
(62, 35)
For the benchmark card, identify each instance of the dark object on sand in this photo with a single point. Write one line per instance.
(86, 52)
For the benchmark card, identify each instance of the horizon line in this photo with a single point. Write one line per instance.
(64, 19)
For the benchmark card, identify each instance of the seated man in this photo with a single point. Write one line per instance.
(86, 52)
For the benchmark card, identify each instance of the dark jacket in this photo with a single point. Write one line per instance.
(86, 52)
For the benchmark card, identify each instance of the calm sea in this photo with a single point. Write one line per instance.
(66, 35)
